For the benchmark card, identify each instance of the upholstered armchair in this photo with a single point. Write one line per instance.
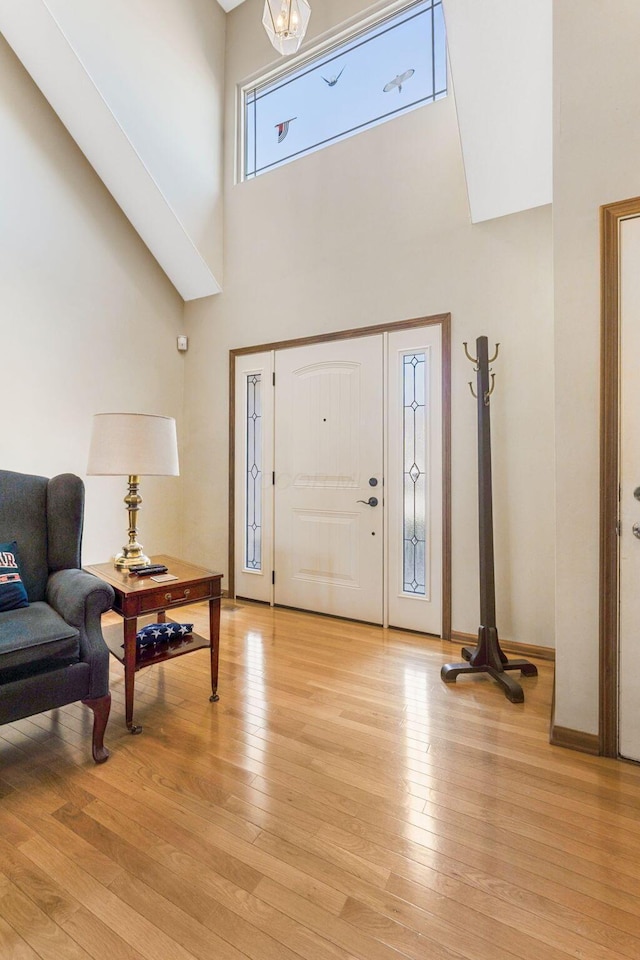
(51, 649)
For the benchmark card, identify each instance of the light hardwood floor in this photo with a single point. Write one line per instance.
(339, 802)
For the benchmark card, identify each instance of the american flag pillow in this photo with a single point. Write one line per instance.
(12, 592)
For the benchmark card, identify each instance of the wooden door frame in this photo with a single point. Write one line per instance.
(444, 320)
(611, 217)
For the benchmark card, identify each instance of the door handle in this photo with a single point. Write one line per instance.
(373, 502)
(635, 530)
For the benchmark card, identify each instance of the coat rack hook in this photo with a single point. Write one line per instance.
(473, 393)
(474, 360)
(490, 390)
(495, 356)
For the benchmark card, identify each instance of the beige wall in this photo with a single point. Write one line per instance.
(596, 161)
(88, 320)
(372, 230)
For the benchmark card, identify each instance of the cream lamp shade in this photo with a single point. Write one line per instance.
(140, 444)
(133, 445)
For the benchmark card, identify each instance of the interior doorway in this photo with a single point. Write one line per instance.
(341, 474)
(620, 483)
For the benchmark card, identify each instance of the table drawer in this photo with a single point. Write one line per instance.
(168, 596)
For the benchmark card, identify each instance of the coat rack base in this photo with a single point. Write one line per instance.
(487, 657)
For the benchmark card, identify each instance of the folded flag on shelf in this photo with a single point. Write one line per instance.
(161, 632)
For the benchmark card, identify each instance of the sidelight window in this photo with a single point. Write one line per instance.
(414, 474)
(253, 515)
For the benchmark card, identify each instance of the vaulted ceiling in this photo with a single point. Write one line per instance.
(163, 166)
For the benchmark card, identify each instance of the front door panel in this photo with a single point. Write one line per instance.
(328, 446)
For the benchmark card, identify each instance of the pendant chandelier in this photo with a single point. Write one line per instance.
(286, 23)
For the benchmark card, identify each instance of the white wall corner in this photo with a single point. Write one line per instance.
(39, 41)
(500, 53)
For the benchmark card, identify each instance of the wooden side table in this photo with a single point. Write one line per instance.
(140, 596)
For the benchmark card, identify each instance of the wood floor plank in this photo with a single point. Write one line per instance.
(343, 934)
(40, 932)
(12, 946)
(250, 864)
(575, 934)
(143, 936)
(338, 803)
(484, 912)
(202, 942)
(512, 883)
(162, 870)
(214, 901)
(98, 939)
(48, 896)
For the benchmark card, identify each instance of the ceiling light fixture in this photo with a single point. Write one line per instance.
(286, 23)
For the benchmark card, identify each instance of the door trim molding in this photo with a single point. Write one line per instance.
(611, 216)
(575, 740)
(444, 319)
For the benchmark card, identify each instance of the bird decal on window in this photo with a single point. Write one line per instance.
(331, 82)
(283, 128)
(398, 81)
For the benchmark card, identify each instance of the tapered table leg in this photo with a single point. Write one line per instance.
(214, 644)
(130, 630)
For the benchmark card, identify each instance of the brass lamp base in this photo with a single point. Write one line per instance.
(125, 559)
(132, 554)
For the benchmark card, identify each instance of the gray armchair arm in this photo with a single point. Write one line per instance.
(81, 599)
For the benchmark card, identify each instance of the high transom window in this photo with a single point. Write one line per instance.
(374, 75)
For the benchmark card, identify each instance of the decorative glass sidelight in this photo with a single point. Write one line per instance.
(414, 474)
(253, 516)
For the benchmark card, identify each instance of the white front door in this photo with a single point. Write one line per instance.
(629, 659)
(339, 477)
(328, 478)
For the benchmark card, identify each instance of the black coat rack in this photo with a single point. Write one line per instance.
(487, 656)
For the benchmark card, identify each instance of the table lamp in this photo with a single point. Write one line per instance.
(133, 445)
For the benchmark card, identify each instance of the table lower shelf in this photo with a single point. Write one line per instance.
(147, 656)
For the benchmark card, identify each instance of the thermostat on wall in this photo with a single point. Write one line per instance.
(183, 343)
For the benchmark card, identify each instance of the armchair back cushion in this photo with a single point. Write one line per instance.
(45, 518)
(65, 515)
